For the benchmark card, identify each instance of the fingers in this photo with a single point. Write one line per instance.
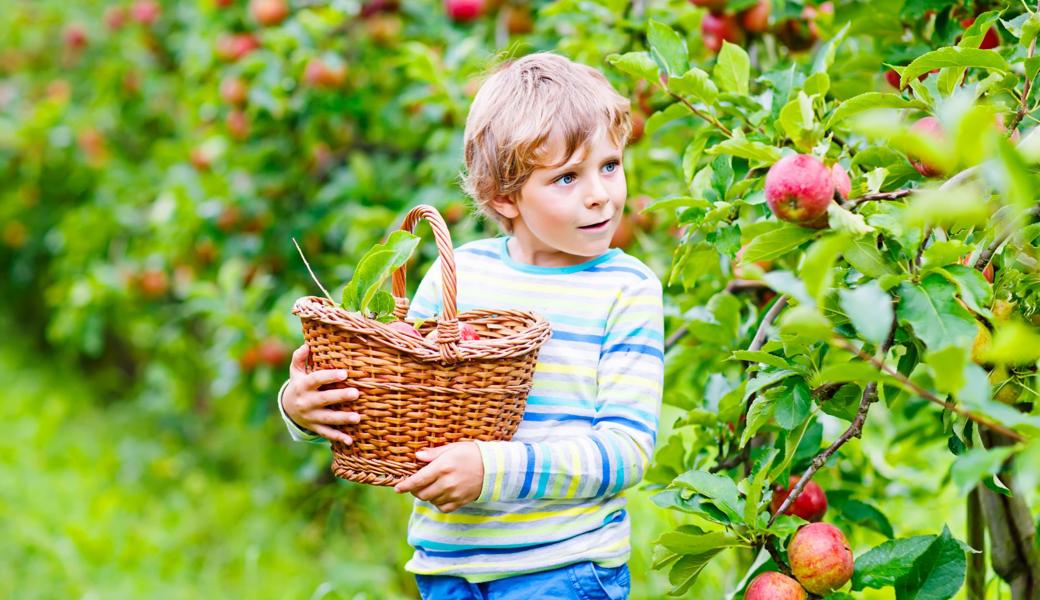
(298, 366)
(331, 434)
(323, 377)
(336, 396)
(423, 478)
(334, 417)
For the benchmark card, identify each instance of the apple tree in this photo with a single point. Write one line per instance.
(857, 234)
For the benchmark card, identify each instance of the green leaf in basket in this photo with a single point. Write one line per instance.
(374, 268)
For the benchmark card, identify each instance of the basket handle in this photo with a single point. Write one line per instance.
(448, 324)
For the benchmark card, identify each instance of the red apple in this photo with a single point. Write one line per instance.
(932, 128)
(799, 188)
(773, 586)
(990, 40)
(268, 12)
(153, 283)
(462, 11)
(237, 124)
(249, 359)
(318, 74)
(716, 28)
(468, 333)
(638, 127)
(756, 18)
(642, 220)
(738, 263)
(145, 12)
(273, 352)
(75, 37)
(384, 29)
(518, 20)
(715, 6)
(404, 328)
(810, 504)
(623, 235)
(223, 3)
(987, 272)
(115, 17)
(842, 183)
(373, 7)
(821, 559)
(200, 158)
(231, 47)
(234, 90)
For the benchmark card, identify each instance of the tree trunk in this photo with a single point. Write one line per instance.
(1011, 532)
(976, 527)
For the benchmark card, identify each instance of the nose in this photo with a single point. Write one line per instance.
(596, 194)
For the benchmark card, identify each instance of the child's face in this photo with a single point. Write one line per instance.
(567, 215)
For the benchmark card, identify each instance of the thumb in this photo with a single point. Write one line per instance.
(429, 454)
(299, 359)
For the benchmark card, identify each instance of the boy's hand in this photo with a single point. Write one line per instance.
(453, 478)
(308, 406)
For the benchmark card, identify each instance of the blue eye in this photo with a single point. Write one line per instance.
(613, 166)
(565, 179)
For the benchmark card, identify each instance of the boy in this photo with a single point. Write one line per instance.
(541, 516)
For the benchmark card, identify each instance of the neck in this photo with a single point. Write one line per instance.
(525, 248)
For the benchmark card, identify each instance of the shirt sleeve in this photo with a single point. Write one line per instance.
(297, 433)
(617, 451)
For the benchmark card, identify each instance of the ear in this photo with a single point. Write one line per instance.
(505, 206)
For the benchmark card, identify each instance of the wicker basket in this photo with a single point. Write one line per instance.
(414, 393)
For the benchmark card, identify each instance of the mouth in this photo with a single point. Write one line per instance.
(600, 226)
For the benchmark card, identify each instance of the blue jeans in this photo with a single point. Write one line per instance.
(579, 581)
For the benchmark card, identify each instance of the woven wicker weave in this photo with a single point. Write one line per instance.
(414, 393)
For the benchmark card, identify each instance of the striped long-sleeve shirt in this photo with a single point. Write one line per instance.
(553, 494)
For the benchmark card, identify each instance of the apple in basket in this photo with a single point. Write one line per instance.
(467, 333)
(404, 328)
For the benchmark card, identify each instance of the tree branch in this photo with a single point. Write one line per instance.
(1026, 88)
(709, 118)
(855, 430)
(975, 581)
(992, 248)
(893, 195)
(760, 334)
(927, 395)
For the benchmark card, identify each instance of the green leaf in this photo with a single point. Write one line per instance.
(943, 252)
(843, 220)
(668, 48)
(696, 83)
(883, 565)
(778, 242)
(866, 258)
(845, 403)
(806, 321)
(662, 117)
(758, 416)
(792, 443)
(760, 357)
(743, 148)
(793, 404)
(859, 372)
(817, 268)
(720, 489)
(1014, 343)
(976, 464)
(685, 571)
(870, 101)
(784, 282)
(639, 64)
(870, 310)
(732, 69)
(937, 574)
(948, 366)
(931, 308)
(867, 515)
(954, 57)
(375, 267)
(682, 542)
(799, 121)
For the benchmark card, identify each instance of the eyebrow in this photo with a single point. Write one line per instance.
(571, 165)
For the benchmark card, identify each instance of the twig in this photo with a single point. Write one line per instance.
(893, 195)
(855, 430)
(313, 276)
(1026, 88)
(927, 395)
(718, 124)
(731, 461)
(991, 249)
(760, 334)
(774, 552)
